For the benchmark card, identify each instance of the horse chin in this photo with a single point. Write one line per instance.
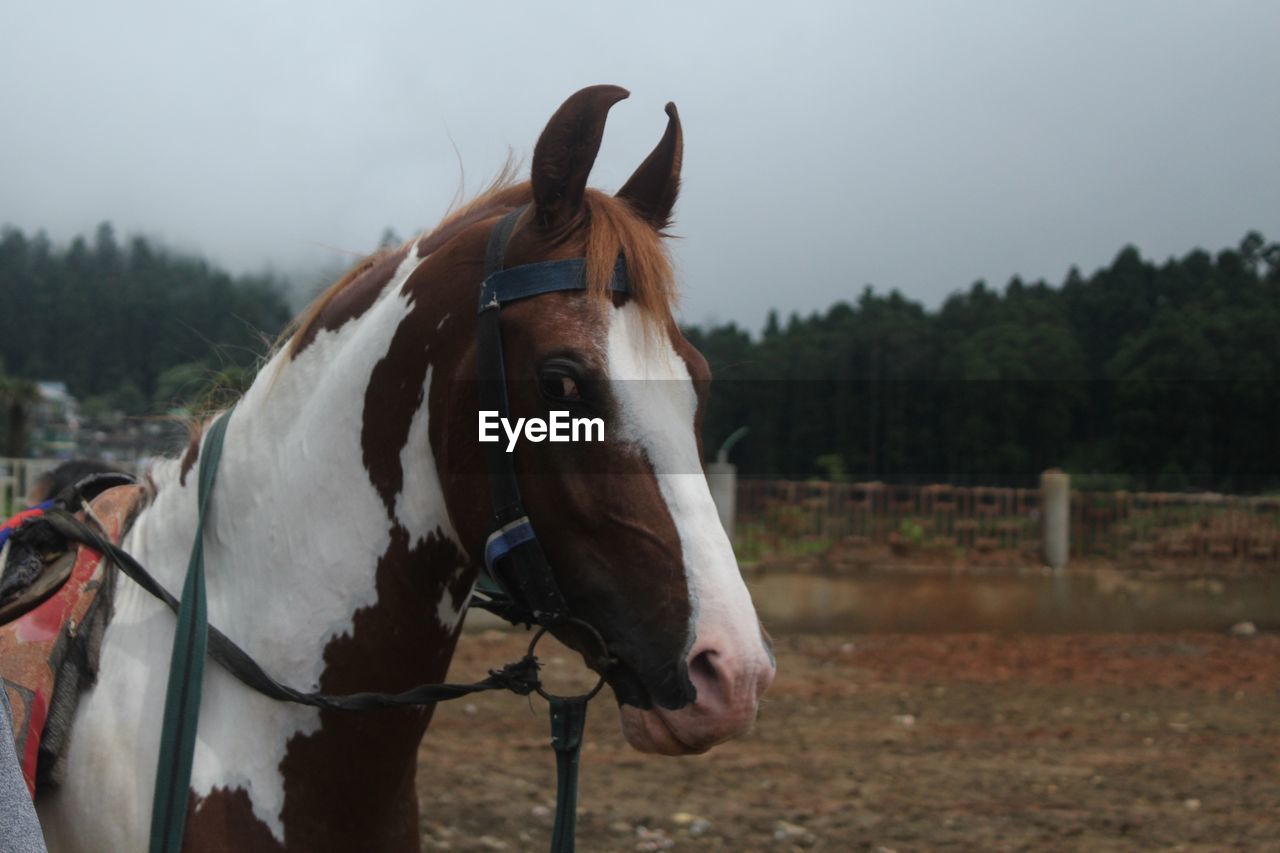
(648, 731)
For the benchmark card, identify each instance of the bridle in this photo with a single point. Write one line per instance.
(516, 582)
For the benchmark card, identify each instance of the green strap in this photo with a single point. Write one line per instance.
(186, 672)
(568, 720)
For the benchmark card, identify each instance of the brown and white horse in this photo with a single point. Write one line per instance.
(350, 514)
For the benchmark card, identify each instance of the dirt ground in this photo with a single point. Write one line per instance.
(1074, 742)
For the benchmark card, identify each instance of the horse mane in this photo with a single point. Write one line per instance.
(612, 228)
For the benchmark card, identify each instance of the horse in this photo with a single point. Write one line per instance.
(348, 524)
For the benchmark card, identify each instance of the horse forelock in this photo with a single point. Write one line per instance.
(615, 229)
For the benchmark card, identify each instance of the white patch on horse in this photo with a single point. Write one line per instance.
(282, 583)
(420, 507)
(449, 610)
(440, 325)
(407, 266)
(656, 407)
(420, 504)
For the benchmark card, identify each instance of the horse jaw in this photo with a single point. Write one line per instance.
(660, 732)
(647, 731)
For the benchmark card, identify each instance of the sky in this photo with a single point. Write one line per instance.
(916, 146)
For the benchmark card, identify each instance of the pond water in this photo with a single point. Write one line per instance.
(1097, 601)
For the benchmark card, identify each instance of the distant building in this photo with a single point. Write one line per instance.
(57, 427)
(54, 421)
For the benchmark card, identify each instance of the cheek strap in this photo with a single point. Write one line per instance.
(517, 583)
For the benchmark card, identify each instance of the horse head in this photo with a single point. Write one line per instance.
(627, 523)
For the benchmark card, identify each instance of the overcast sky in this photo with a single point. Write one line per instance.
(917, 146)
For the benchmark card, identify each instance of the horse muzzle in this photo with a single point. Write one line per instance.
(727, 686)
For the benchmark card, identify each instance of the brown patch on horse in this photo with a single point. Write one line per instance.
(350, 785)
(193, 451)
(224, 821)
(396, 389)
(353, 294)
(347, 298)
(369, 798)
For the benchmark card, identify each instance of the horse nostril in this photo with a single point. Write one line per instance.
(701, 668)
(708, 679)
(728, 683)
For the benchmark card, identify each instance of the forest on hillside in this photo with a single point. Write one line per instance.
(131, 327)
(1142, 374)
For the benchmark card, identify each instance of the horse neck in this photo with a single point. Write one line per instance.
(331, 559)
(297, 530)
(329, 577)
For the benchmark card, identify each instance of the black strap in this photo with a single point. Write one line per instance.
(495, 252)
(507, 505)
(519, 586)
(519, 677)
(88, 488)
(568, 721)
(518, 583)
(504, 286)
(493, 376)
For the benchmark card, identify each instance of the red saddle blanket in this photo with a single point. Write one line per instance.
(50, 653)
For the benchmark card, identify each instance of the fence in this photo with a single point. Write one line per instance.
(1147, 525)
(784, 519)
(790, 519)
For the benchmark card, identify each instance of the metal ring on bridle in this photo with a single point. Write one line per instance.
(604, 657)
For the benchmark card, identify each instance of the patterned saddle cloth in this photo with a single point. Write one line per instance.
(50, 652)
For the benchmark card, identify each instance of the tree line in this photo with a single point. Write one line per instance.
(132, 327)
(1140, 375)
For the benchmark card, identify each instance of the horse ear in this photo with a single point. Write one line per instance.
(652, 190)
(566, 150)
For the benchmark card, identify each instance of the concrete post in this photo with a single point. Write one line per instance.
(1055, 517)
(722, 479)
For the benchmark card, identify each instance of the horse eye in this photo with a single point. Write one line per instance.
(560, 386)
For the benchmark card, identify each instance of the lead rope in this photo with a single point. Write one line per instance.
(186, 671)
(568, 721)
